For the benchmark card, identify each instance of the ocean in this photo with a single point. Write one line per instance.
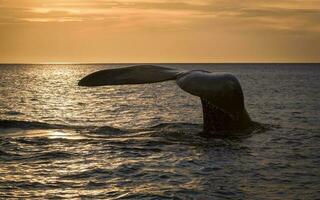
(62, 141)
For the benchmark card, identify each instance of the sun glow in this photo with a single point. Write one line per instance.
(159, 31)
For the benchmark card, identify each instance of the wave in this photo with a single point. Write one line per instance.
(86, 130)
(29, 125)
(8, 155)
(88, 174)
(13, 113)
(49, 155)
(5, 124)
(177, 129)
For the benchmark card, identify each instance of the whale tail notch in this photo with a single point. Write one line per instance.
(139, 74)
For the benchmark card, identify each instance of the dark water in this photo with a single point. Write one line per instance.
(58, 140)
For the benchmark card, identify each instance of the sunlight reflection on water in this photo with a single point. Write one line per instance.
(59, 140)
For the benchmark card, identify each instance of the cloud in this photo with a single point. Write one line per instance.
(277, 15)
(283, 18)
(206, 28)
(17, 10)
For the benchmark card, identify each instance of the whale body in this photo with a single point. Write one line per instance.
(221, 94)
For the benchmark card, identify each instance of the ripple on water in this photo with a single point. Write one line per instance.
(59, 141)
(13, 113)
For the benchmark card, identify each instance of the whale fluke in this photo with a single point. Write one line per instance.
(139, 74)
(221, 97)
(221, 94)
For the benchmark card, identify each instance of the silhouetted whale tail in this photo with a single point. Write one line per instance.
(139, 74)
(221, 94)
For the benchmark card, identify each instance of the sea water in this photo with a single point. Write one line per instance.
(59, 140)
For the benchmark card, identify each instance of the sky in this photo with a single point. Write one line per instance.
(159, 31)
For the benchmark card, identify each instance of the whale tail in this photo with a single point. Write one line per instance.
(221, 94)
(139, 74)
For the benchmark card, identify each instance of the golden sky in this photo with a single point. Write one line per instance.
(36, 31)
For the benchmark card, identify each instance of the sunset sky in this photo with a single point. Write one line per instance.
(37, 31)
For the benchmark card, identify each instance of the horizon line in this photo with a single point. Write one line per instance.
(146, 63)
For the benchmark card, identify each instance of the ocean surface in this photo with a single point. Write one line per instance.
(61, 141)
